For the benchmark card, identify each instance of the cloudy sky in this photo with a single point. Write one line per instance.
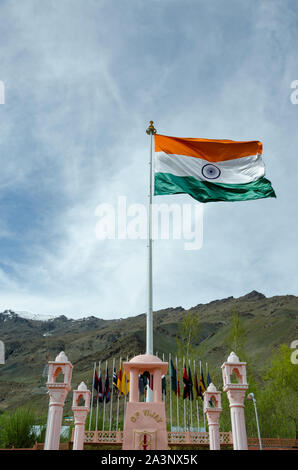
(82, 79)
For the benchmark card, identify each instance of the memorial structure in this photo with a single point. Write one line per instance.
(145, 422)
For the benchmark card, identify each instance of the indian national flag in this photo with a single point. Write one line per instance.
(210, 170)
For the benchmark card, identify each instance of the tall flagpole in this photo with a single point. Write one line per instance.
(149, 331)
(197, 398)
(111, 403)
(184, 365)
(104, 398)
(170, 393)
(190, 397)
(203, 400)
(177, 382)
(117, 418)
(99, 371)
(149, 327)
(124, 408)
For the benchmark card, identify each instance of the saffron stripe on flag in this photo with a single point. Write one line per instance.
(211, 150)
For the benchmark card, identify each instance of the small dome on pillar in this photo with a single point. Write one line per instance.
(82, 387)
(61, 357)
(211, 388)
(233, 358)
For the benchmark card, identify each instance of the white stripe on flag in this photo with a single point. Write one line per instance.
(237, 171)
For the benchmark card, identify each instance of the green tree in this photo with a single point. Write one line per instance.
(236, 342)
(277, 406)
(236, 337)
(188, 334)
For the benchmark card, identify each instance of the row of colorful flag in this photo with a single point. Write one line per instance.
(188, 384)
(121, 383)
(103, 390)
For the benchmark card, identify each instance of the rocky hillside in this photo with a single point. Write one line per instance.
(268, 322)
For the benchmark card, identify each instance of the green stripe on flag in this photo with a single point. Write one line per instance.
(205, 191)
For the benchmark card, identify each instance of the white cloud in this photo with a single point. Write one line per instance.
(82, 81)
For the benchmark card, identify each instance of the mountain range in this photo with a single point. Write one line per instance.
(31, 340)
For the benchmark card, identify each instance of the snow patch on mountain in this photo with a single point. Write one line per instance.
(28, 315)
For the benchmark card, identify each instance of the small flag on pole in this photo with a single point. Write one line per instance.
(209, 381)
(202, 388)
(163, 385)
(124, 385)
(173, 377)
(95, 380)
(196, 385)
(175, 384)
(185, 384)
(97, 384)
(119, 381)
(99, 389)
(115, 378)
(107, 392)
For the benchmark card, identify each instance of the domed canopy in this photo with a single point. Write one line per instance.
(145, 358)
(144, 362)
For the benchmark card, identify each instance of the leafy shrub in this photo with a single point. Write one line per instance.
(16, 428)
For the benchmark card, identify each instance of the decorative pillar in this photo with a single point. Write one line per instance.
(145, 423)
(212, 409)
(58, 392)
(133, 385)
(236, 394)
(80, 412)
(157, 386)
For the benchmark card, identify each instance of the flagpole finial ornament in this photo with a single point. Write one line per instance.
(151, 129)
